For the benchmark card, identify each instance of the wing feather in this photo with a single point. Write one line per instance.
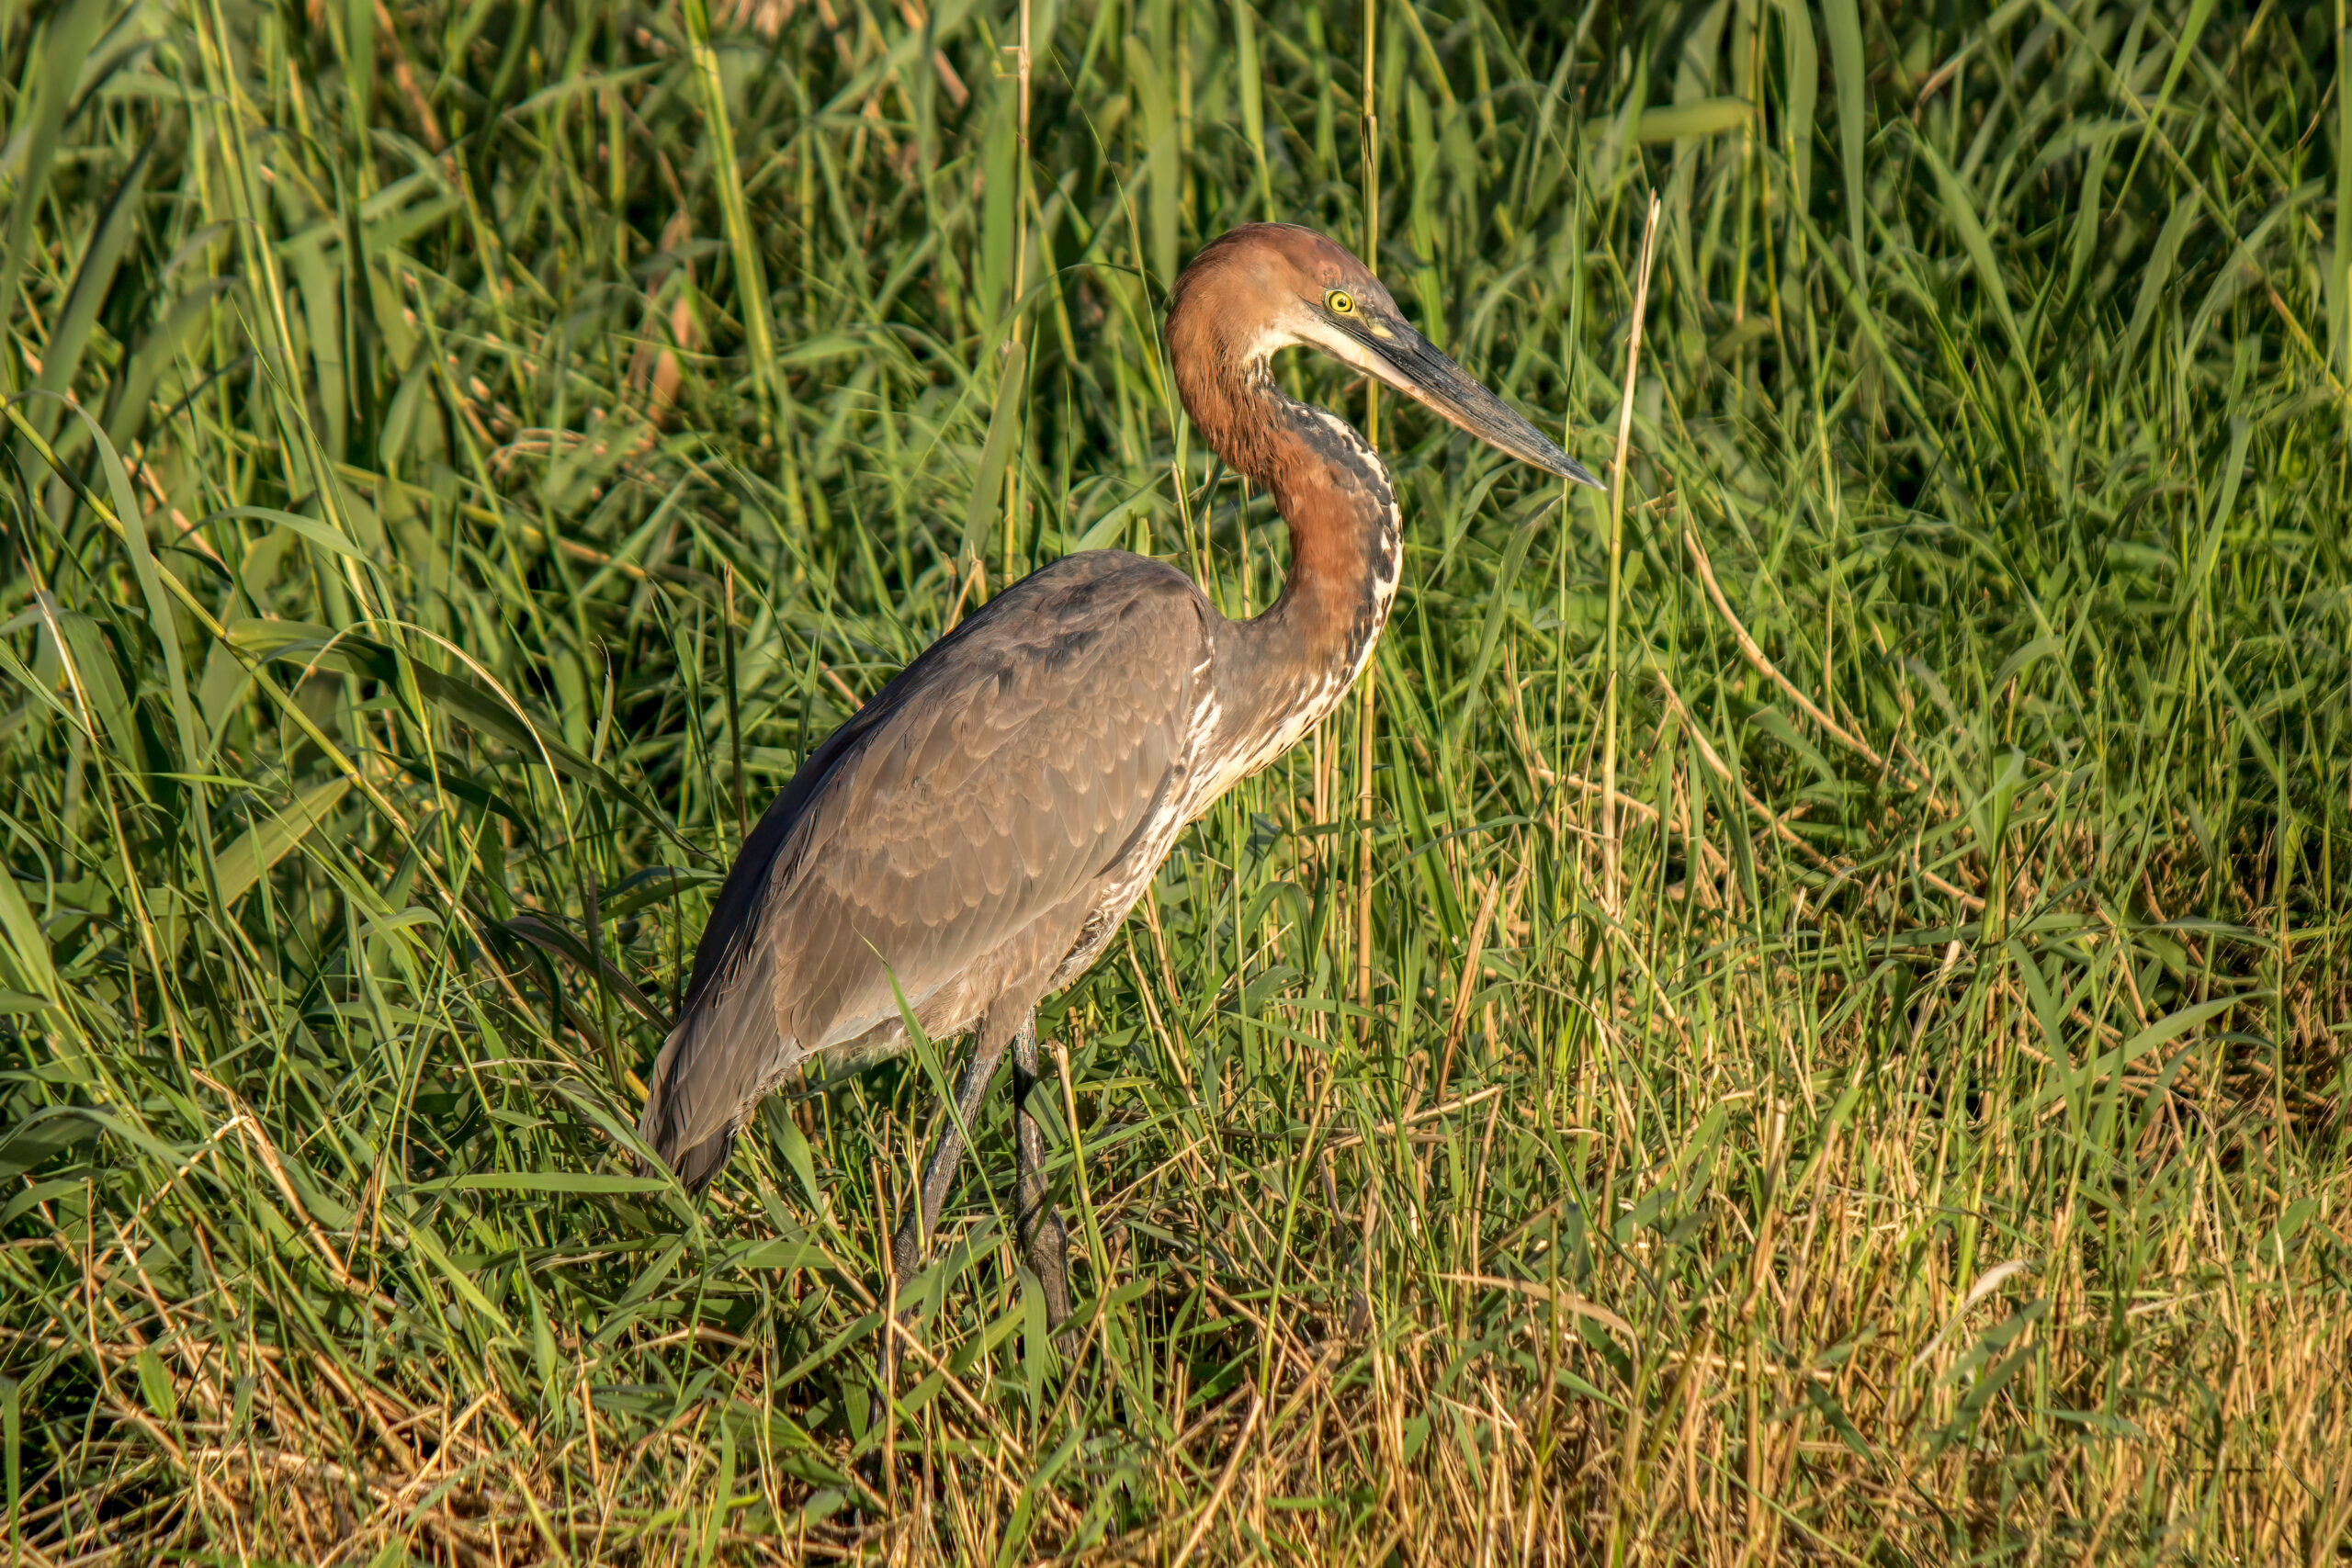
(953, 833)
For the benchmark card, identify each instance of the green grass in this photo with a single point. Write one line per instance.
(1935, 1150)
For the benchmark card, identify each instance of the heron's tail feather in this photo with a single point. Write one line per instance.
(718, 1060)
(696, 1167)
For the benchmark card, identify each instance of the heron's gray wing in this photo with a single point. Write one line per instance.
(954, 840)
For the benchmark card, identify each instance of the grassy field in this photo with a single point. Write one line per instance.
(1803, 1023)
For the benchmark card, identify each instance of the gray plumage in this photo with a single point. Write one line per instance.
(969, 830)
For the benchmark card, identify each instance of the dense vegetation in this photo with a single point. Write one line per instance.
(1820, 1036)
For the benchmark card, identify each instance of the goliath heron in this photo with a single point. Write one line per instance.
(978, 830)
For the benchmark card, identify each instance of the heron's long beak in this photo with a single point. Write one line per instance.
(1411, 363)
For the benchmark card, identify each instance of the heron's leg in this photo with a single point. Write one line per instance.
(1043, 1240)
(922, 1216)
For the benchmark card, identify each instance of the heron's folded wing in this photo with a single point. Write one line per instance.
(953, 841)
(949, 848)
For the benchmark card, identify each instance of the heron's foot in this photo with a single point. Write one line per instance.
(1044, 1246)
(906, 1252)
(1044, 1241)
(906, 1261)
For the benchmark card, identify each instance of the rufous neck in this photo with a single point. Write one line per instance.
(1295, 661)
(1339, 508)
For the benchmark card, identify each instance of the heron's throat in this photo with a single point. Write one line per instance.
(1302, 654)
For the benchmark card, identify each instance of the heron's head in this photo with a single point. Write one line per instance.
(1265, 286)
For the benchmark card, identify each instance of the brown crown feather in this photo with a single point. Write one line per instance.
(1242, 285)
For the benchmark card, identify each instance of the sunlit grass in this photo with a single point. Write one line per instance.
(420, 565)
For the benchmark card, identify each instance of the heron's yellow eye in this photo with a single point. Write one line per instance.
(1340, 302)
